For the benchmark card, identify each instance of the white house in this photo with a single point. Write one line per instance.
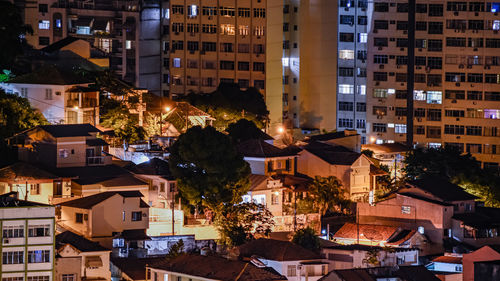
(288, 259)
(447, 264)
(89, 259)
(61, 96)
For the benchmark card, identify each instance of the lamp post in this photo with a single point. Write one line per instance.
(167, 110)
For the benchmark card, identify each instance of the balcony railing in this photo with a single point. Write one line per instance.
(98, 160)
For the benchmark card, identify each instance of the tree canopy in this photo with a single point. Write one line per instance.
(243, 130)
(328, 194)
(307, 238)
(12, 28)
(124, 124)
(16, 115)
(229, 103)
(461, 169)
(210, 171)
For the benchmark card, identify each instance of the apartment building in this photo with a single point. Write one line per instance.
(353, 18)
(207, 42)
(309, 64)
(27, 239)
(127, 32)
(457, 91)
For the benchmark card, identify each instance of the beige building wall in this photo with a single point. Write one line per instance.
(76, 261)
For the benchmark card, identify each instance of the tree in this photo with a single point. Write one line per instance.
(123, 124)
(11, 30)
(240, 223)
(229, 104)
(16, 115)
(176, 250)
(461, 169)
(367, 152)
(307, 238)
(210, 171)
(243, 130)
(327, 194)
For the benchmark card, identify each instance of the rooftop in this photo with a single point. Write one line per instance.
(10, 200)
(442, 189)
(366, 231)
(78, 242)
(448, 259)
(134, 268)
(108, 175)
(333, 154)
(90, 201)
(217, 268)
(22, 172)
(69, 130)
(262, 149)
(386, 147)
(404, 273)
(56, 46)
(50, 75)
(331, 136)
(154, 166)
(482, 217)
(276, 250)
(258, 182)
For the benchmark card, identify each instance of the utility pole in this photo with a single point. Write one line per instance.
(410, 85)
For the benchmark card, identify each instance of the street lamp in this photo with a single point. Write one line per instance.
(281, 129)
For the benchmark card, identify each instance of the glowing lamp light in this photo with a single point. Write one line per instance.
(167, 108)
(281, 129)
(276, 193)
(75, 107)
(373, 139)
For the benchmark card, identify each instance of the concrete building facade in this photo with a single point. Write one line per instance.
(456, 75)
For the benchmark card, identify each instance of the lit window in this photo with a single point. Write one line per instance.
(177, 62)
(346, 89)
(58, 23)
(434, 97)
(128, 44)
(405, 210)
(400, 128)
(362, 90)
(390, 125)
(434, 145)
(363, 37)
(419, 95)
(192, 10)
(227, 29)
(44, 24)
(285, 62)
(379, 141)
(84, 30)
(496, 25)
(167, 13)
(346, 54)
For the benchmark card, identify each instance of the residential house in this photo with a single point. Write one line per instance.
(205, 267)
(427, 205)
(287, 258)
(487, 270)
(58, 146)
(399, 273)
(61, 96)
(280, 194)
(447, 267)
(360, 256)
(389, 154)
(91, 259)
(478, 228)
(355, 170)
(483, 254)
(380, 235)
(132, 269)
(267, 159)
(27, 239)
(115, 219)
(33, 183)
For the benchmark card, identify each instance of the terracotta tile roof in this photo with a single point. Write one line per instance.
(262, 149)
(79, 242)
(366, 232)
(258, 182)
(299, 183)
(442, 189)
(276, 250)
(333, 154)
(22, 171)
(90, 201)
(418, 197)
(448, 259)
(134, 268)
(56, 46)
(403, 273)
(386, 147)
(108, 175)
(217, 268)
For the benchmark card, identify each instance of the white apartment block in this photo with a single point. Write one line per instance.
(27, 243)
(457, 91)
(352, 60)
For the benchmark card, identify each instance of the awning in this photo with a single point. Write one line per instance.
(93, 261)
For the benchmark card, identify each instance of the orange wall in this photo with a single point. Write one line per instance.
(484, 254)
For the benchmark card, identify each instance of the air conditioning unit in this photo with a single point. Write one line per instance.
(202, 52)
(476, 14)
(458, 119)
(457, 84)
(380, 48)
(418, 67)
(375, 31)
(419, 119)
(455, 13)
(487, 67)
(398, 66)
(475, 49)
(346, 9)
(363, 9)
(381, 66)
(210, 17)
(469, 66)
(419, 49)
(402, 84)
(461, 65)
(377, 83)
(6, 241)
(402, 49)
(176, 33)
(495, 31)
(391, 108)
(405, 31)
(453, 101)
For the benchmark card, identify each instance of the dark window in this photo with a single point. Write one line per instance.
(361, 107)
(454, 94)
(43, 8)
(402, 25)
(346, 71)
(346, 106)
(435, 27)
(433, 114)
(435, 10)
(454, 130)
(136, 216)
(243, 65)
(455, 41)
(43, 41)
(346, 37)
(381, 24)
(379, 76)
(402, 7)
(379, 127)
(79, 218)
(362, 20)
(475, 77)
(226, 65)
(344, 19)
(380, 42)
(474, 130)
(435, 45)
(421, 8)
(474, 95)
(381, 7)
(421, 25)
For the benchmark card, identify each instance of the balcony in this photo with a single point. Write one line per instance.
(98, 160)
